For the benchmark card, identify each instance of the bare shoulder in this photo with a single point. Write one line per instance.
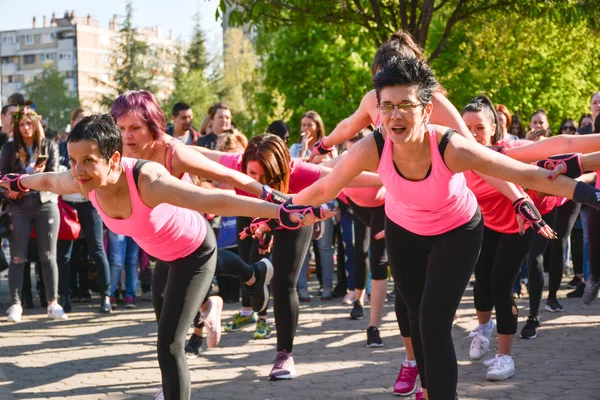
(365, 153)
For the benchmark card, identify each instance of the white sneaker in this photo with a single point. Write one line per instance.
(499, 368)
(159, 395)
(349, 298)
(15, 312)
(212, 322)
(481, 342)
(55, 311)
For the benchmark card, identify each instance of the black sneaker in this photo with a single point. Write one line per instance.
(259, 292)
(530, 330)
(574, 282)
(373, 338)
(553, 305)
(357, 311)
(578, 292)
(193, 348)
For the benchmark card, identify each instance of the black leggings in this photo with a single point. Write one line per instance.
(535, 266)
(248, 251)
(289, 250)
(496, 270)
(594, 242)
(431, 274)
(368, 251)
(178, 289)
(566, 215)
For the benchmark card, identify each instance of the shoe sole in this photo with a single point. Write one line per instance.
(553, 310)
(268, 279)
(352, 317)
(500, 377)
(374, 345)
(281, 377)
(414, 389)
(216, 334)
(530, 337)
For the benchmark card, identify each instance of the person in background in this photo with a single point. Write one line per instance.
(504, 122)
(516, 127)
(567, 127)
(586, 119)
(280, 128)
(6, 133)
(182, 129)
(31, 153)
(220, 117)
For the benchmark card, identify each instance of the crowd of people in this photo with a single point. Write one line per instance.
(407, 187)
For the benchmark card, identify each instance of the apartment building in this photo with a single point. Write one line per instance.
(80, 50)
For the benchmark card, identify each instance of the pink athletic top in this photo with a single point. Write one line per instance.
(168, 162)
(432, 206)
(302, 174)
(165, 231)
(369, 197)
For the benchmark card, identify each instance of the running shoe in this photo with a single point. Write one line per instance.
(212, 321)
(419, 394)
(303, 295)
(530, 330)
(373, 337)
(500, 368)
(193, 348)
(159, 395)
(129, 302)
(259, 292)
(406, 382)
(15, 312)
(357, 311)
(283, 367)
(146, 295)
(349, 298)
(553, 305)
(55, 311)
(113, 303)
(481, 342)
(574, 282)
(240, 321)
(263, 329)
(591, 290)
(578, 292)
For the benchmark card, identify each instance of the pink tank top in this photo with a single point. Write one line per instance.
(165, 231)
(369, 197)
(432, 206)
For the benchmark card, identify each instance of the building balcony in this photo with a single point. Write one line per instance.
(9, 69)
(10, 49)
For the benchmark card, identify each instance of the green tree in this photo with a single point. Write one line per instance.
(315, 69)
(134, 63)
(52, 97)
(196, 57)
(524, 64)
(379, 18)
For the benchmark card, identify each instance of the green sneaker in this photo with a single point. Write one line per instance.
(239, 321)
(263, 330)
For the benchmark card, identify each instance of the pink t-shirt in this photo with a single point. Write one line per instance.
(165, 231)
(369, 197)
(302, 174)
(435, 205)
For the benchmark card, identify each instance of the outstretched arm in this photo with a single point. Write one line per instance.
(560, 144)
(158, 186)
(204, 163)
(362, 156)
(55, 182)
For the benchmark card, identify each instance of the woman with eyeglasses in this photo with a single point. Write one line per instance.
(433, 228)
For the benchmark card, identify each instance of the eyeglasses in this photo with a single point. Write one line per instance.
(403, 108)
(569, 128)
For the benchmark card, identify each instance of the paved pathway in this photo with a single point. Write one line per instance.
(94, 356)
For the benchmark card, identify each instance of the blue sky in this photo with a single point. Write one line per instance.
(176, 15)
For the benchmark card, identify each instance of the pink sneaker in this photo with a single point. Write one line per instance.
(406, 383)
(419, 394)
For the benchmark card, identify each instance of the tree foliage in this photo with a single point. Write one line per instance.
(52, 97)
(315, 69)
(379, 18)
(134, 64)
(524, 64)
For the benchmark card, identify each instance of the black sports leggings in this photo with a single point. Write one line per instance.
(289, 250)
(248, 251)
(368, 222)
(178, 289)
(431, 274)
(535, 266)
(496, 270)
(566, 215)
(594, 242)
